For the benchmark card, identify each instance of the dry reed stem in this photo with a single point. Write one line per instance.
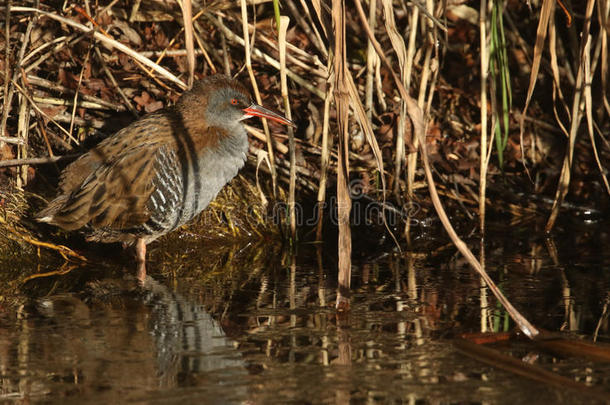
(223, 44)
(284, 21)
(366, 127)
(588, 79)
(344, 205)
(428, 28)
(10, 140)
(261, 156)
(306, 26)
(7, 62)
(400, 49)
(320, 13)
(557, 92)
(280, 147)
(23, 129)
(412, 157)
(46, 45)
(118, 88)
(91, 101)
(204, 52)
(326, 148)
(419, 128)
(187, 16)
(107, 41)
(321, 47)
(602, 15)
(24, 110)
(36, 161)
(413, 25)
(87, 14)
(427, 68)
(312, 60)
(435, 68)
(372, 60)
(77, 91)
(41, 112)
(69, 41)
(257, 95)
(283, 170)
(484, 60)
(267, 59)
(134, 10)
(564, 177)
(541, 32)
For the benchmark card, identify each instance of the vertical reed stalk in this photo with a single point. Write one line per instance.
(541, 34)
(372, 60)
(411, 157)
(225, 54)
(603, 13)
(187, 16)
(483, 299)
(564, 177)
(24, 107)
(77, 91)
(401, 52)
(483, 95)
(325, 149)
(23, 126)
(6, 104)
(244, 21)
(283, 27)
(344, 203)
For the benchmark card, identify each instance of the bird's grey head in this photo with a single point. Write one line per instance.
(222, 102)
(225, 107)
(215, 101)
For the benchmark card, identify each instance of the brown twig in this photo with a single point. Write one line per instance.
(96, 102)
(36, 161)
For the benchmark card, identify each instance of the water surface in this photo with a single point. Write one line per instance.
(253, 324)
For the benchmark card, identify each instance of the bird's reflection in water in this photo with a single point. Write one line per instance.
(120, 340)
(189, 341)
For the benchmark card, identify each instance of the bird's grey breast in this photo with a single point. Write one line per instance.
(212, 169)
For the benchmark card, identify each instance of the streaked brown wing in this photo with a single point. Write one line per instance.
(146, 129)
(110, 185)
(114, 195)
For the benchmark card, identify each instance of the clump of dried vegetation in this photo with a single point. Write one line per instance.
(462, 97)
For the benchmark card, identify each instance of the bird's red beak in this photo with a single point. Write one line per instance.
(256, 110)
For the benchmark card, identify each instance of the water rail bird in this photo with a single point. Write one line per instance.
(161, 171)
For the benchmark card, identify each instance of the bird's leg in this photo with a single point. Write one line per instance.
(141, 258)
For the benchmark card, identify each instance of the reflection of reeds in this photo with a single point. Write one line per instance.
(322, 72)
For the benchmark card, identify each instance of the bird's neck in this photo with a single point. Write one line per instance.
(206, 134)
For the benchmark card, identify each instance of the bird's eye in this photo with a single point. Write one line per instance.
(234, 101)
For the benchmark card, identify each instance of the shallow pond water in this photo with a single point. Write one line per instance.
(256, 325)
